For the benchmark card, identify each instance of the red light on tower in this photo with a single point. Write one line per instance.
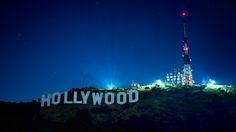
(184, 13)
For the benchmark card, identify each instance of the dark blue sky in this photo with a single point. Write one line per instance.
(48, 46)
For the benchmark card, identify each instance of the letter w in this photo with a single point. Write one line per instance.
(97, 98)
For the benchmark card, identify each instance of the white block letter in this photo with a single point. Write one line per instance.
(44, 99)
(136, 96)
(111, 98)
(66, 99)
(97, 98)
(56, 98)
(76, 98)
(85, 96)
(119, 98)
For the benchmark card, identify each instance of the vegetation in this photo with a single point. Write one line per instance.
(158, 109)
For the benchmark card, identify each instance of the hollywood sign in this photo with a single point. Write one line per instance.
(98, 98)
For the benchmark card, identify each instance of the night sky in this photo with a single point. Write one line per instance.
(48, 46)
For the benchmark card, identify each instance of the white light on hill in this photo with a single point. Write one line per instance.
(110, 86)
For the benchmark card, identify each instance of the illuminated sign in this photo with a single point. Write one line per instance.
(97, 98)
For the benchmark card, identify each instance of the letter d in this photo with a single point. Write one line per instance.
(136, 96)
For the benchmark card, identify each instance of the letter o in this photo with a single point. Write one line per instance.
(123, 94)
(111, 96)
(56, 98)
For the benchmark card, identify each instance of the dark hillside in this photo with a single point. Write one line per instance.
(156, 110)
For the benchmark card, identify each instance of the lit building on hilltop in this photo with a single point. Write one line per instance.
(134, 85)
(174, 78)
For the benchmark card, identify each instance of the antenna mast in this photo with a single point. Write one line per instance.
(187, 71)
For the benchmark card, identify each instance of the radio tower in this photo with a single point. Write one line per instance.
(187, 71)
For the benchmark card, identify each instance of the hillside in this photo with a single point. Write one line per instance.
(157, 110)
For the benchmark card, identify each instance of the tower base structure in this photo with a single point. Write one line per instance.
(187, 75)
